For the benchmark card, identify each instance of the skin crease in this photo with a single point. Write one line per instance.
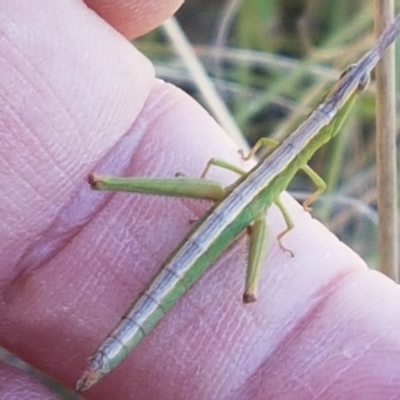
(77, 98)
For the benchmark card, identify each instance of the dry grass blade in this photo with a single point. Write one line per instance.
(386, 149)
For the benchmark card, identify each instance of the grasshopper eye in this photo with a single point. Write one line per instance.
(347, 70)
(363, 81)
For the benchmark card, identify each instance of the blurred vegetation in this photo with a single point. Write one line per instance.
(272, 61)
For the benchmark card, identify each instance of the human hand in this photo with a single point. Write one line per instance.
(77, 98)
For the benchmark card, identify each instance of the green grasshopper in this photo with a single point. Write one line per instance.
(238, 207)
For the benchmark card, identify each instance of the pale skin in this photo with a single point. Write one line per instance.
(322, 303)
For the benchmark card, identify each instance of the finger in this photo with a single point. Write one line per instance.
(66, 76)
(134, 18)
(86, 81)
(344, 346)
(58, 121)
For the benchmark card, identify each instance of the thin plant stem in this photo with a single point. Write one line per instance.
(386, 149)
